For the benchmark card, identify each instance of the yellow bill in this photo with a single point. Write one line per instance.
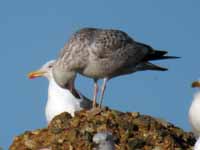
(196, 84)
(35, 74)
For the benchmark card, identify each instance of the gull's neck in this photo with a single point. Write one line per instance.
(55, 89)
(60, 100)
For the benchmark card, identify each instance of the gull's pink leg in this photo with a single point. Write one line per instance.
(95, 94)
(102, 91)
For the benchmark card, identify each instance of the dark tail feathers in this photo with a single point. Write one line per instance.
(150, 66)
(157, 55)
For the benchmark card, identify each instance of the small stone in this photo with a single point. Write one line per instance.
(135, 114)
(60, 141)
(136, 143)
(16, 138)
(163, 122)
(30, 144)
(56, 130)
(157, 148)
(36, 132)
(45, 148)
(145, 135)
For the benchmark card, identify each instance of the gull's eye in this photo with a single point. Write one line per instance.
(50, 66)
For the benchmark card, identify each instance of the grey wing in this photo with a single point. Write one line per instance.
(136, 52)
(107, 43)
(115, 44)
(74, 53)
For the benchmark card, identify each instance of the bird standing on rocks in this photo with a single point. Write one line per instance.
(60, 99)
(103, 54)
(194, 111)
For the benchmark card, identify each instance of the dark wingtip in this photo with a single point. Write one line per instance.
(171, 57)
(163, 69)
(164, 57)
(162, 54)
(158, 54)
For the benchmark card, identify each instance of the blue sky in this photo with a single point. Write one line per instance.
(32, 32)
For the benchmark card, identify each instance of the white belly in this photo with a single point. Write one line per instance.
(194, 115)
(60, 100)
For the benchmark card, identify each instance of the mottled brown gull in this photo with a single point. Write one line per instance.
(103, 54)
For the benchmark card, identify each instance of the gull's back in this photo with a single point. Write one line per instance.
(101, 52)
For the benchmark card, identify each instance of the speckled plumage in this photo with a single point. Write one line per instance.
(104, 53)
(100, 53)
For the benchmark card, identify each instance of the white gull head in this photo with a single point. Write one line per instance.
(59, 99)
